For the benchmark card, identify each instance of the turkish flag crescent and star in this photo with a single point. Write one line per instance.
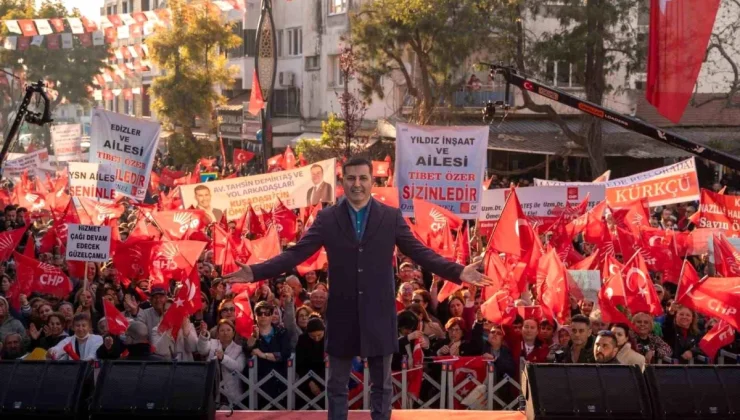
(679, 34)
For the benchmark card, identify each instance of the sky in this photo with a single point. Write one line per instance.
(88, 8)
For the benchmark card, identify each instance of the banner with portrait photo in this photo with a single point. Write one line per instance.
(296, 188)
(127, 144)
(441, 165)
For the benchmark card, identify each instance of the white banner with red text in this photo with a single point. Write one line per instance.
(92, 180)
(66, 140)
(541, 204)
(677, 183)
(296, 188)
(32, 162)
(441, 165)
(127, 144)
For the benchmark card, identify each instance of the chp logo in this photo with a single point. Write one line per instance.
(37, 201)
(6, 244)
(51, 279)
(440, 221)
(164, 258)
(572, 193)
(104, 213)
(186, 221)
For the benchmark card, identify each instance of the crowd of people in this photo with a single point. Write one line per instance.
(289, 319)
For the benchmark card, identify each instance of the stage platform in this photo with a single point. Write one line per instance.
(365, 415)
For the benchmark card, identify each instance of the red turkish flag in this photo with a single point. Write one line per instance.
(187, 301)
(641, 294)
(386, 195)
(40, 277)
(167, 177)
(289, 158)
(687, 279)
(499, 308)
(466, 367)
(117, 323)
(255, 224)
(284, 221)
(244, 318)
(263, 249)
(505, 237)
(552, 286)
(242, 156)
(679, 34)
(315, 262)
(613, 300)
(69, 349)
(256, 101)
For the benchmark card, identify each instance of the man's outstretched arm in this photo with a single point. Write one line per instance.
(309, 244)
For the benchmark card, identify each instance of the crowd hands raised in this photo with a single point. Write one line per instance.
(288, 319)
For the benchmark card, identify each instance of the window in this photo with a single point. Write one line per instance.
(124, 7)
(250, 42)
(312, 63)
(562, 74)
(145, 5)
(115, 104)
(126, 107)
(336, 77)
(237, 51)
(109, 106)
(295, 41)
(280, 42)
(145, 107)
(337, 6)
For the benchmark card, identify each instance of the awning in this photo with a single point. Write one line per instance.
(235, 104)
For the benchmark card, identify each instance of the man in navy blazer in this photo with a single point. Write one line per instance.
(359, 235)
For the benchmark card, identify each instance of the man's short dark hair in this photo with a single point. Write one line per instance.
(316, 165)
(200, 188)
(583, 319)
(357, 161)
(609, 335)
(82, 317)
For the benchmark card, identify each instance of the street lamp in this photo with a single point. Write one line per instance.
(265, 63)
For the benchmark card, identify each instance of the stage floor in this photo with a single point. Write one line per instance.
(365, 415)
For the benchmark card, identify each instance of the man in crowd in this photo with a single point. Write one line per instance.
(580, 348)
(606, 348)
(360, 236)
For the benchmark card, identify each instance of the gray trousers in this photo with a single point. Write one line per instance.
(381, 389)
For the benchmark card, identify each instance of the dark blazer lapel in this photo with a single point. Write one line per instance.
(377, 212)
(341, 213)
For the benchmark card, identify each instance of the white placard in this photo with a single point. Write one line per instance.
(88, 243)
(441, 165)
(540, 202)
(92, 180)
(590, 283)
(66, 139)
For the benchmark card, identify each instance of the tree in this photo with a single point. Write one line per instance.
(191, 53)
(185, 150)
(723, 56)
(598, 37)
(71, 71)
(352, 109)
(426, 42)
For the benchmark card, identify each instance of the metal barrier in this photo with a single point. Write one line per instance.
(442, 392)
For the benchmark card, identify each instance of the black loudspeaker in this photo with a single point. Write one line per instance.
(694, 392)
(45, 389)
(185, 390)
(585, 391)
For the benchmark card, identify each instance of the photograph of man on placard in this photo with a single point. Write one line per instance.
(203, 198)
(320, 191)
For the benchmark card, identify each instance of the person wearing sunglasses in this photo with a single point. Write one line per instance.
(271, 345)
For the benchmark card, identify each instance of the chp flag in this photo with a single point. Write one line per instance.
(127, 144)
(441, 165)
(88, 243)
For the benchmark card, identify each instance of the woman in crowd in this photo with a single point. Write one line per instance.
(454, 345)
(626, 355)
(180, 349)
(429, 328)
(681, 333)
(53, 332)
(84, 304)
(309, 353)
(228, 353)
(8, 324)
(83, 345)
(647, 343)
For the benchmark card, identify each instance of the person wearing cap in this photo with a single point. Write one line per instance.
(151, 317)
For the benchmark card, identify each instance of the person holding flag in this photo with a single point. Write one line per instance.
(359, 235)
